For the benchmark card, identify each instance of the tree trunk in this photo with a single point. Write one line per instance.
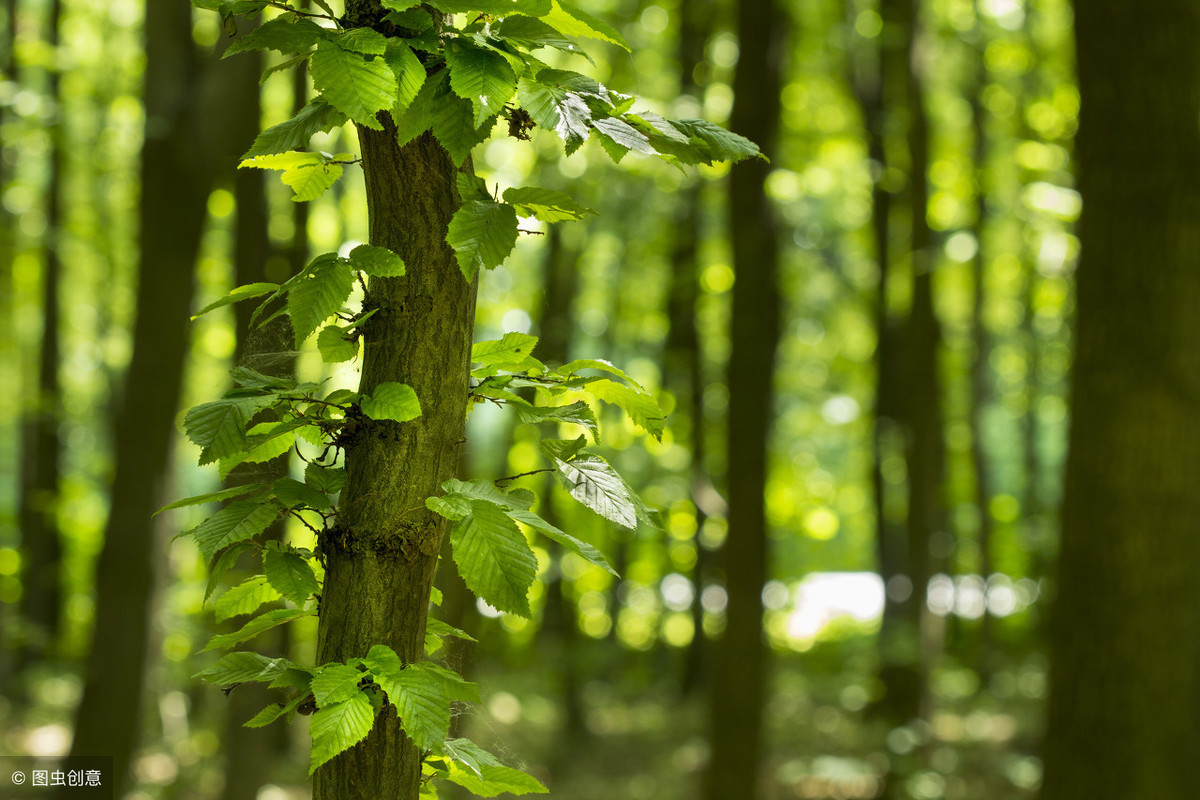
(176, 175)
(380, 558)
(739, 665)
(41, 584)
(1124, 686)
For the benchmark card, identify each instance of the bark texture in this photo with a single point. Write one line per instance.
(739, 664)
(381, 557)
(1124, 685)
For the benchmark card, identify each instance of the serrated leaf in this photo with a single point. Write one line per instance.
(569, 370)
(335, 683)
(409, 72)
(497, 8)
(557, 109)
(245, 598)
(213, 497)
(436, 627)
(308, 174)
(330, 480)
(293, 494)
(493, 557)
(219, 427)
(579, 548)
(290, 575)
(514, 349)
(266, 716)
(482, 235)
(641, 406)
(564, 449)
(358, 86)
(472, 187)
(336, 344)
(394, 401)
(591, 481)
(337, 728)
(545, 204)
(284, 34)
(574, 21)
(228, 558)
(283, 66)
(453, 123)
(367, 41)
(577, 413)
(267, 440)
(716, 143)
(422, 693)
(532, 33)
(244, 667)
(416, 119)
(614, 131)
(238, 294)
(466, 752)
(263, 622)
(483, 77)
(318, 116)
(493, 780)
(378, 262)
(236, 522)
(317, 295)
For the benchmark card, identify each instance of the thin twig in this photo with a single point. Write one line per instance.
(523, 475)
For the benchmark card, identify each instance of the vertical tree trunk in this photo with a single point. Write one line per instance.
(1124, 685)
(41, 585)
(176, 173)
(381, 557)
(739, 666)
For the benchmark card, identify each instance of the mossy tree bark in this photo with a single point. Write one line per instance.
(1124, 686)
(381, 557)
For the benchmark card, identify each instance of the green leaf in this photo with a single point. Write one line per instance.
(245, 598)
(569, 370)
(378, 262)
(422, 693)
(557, 109)
(293, 494)
(335, 683)
(466, 752)
(236, 522)
(290, 575)
(330, 480)
(228, 558)
(472, 187)
(716, 143)
(532, 33)
(236, 295)
(266, 716)
(309, 174)
(395, 401)
(544, 204)
(493, 780)
(267, 440)
(496, 8)
(337, 728)
(574, 21)
(641, 406)
(577, 413)
(284, 34)
(263, 622)
(482, 235)
(337, 344)
(415, 119)
(614, 131)
(564, 449)
(214, 497)
(358, 86)
(436, 627)
(454, 125)
(579, 548)
(512, 350)
(483, 77)
(283, 66)
(409, 72)
(317, 295)
(219, 427)
(591, 481)
(367, 41)
(493, 558)
(296, 133)
(251, 379)
(244, 667)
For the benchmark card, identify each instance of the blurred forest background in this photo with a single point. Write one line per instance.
(906, 270)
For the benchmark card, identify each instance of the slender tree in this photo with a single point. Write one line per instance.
(380, 492)
(739, 668)
(1126, 629)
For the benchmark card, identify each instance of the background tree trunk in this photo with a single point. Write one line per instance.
(1124, 686)
(739, 664)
